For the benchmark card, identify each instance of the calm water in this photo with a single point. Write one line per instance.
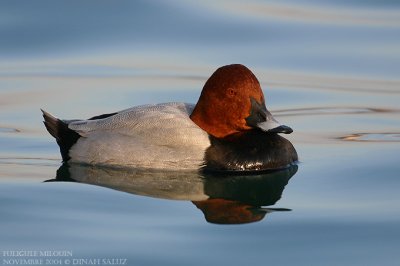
(329, 69)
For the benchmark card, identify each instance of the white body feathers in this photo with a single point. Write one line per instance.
(148, 136)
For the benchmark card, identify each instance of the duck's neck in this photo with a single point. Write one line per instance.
(211, 123)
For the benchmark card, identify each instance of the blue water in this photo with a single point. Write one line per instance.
(329, 69)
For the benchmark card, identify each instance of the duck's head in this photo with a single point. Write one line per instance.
(232, 101)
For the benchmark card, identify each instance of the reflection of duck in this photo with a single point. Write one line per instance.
(182, 136)
(223, 199)
(238, 199)
(222, 211)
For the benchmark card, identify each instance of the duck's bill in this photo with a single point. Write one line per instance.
(261, 118)
(273, 126)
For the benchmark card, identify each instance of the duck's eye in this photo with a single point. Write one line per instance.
(231, 92)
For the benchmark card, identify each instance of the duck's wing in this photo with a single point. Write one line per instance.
(165, 124)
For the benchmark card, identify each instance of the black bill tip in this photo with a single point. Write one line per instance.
(281, 129)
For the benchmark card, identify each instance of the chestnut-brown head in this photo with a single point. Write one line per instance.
(232, 101)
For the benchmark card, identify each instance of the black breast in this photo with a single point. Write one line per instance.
(253, 150)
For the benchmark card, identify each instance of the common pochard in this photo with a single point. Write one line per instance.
(229, 129)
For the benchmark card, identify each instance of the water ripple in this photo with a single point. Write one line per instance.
(372, 137)
(28, 161)
(332, 111)
(9, 130)
(314, 13)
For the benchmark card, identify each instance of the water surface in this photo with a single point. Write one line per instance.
(329, 69)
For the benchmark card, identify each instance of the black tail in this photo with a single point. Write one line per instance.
(64, 136)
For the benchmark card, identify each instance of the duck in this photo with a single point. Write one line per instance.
(228, 129)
